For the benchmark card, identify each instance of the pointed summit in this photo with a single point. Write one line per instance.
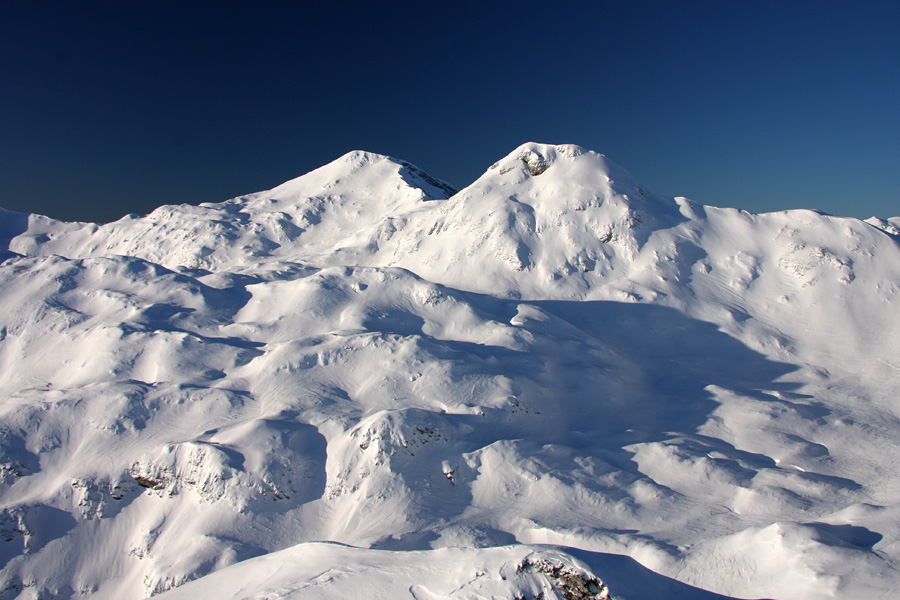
(385, 175)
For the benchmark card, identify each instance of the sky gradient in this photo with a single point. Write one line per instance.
(110, 109)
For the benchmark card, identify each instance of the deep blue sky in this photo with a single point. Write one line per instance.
(116, 107)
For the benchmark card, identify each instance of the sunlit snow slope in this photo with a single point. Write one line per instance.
(363, 383)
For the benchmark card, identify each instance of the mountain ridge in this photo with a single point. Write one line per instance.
(551, 362)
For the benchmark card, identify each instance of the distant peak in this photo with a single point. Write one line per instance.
(361, 157)
(408, 171)
(362, 168)
(432, 187)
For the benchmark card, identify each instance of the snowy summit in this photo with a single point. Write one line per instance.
(552, 383)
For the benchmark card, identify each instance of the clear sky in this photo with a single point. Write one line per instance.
(116, 107)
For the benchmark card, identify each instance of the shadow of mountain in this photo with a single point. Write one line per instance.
(587, 379)
(629, 580)
(608, 374)
(849, 535)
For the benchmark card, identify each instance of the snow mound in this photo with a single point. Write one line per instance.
(318, 570)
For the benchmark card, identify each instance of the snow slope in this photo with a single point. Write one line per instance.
(676, 399)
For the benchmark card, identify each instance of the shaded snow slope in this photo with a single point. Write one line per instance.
(676, 399)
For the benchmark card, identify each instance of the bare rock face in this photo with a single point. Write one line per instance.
(534, 162)
(571, 583)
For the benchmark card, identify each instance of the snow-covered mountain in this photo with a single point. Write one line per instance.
(362, 383)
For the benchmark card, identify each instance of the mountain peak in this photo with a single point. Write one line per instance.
(571, 165)
(433, 187)
(536, 158)
(360, 169)
(543, 213)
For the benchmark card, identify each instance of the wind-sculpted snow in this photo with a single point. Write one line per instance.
(361, 383)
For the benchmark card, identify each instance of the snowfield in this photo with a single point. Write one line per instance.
(365, 384)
